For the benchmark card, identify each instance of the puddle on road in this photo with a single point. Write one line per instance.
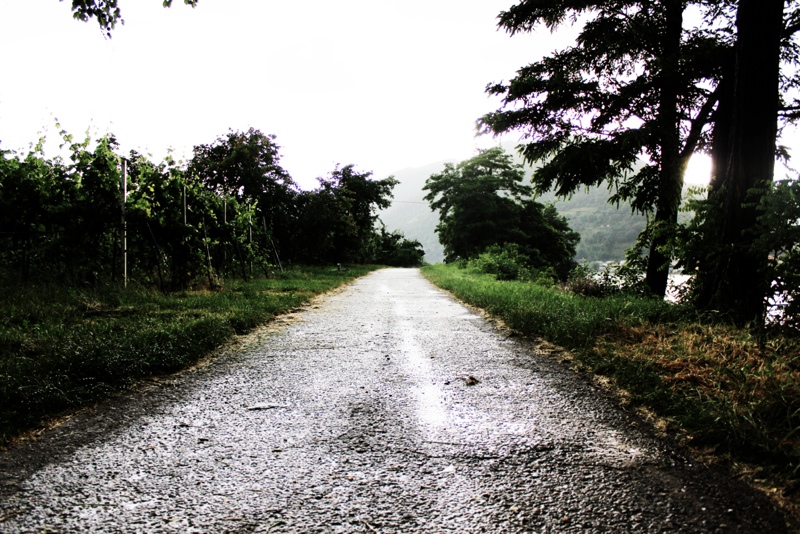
(417, 365)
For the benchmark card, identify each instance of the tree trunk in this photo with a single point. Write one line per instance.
(670, 167)
(705, 283)
(657, 274)
(745, 164)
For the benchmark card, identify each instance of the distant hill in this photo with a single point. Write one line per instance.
(606, 232)
(411, 215)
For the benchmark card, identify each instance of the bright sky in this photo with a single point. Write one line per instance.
(378, 83)
(383, 84)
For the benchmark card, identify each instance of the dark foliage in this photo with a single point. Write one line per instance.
(233, 212)
(482, 202)
(634, 86)
(395, 250)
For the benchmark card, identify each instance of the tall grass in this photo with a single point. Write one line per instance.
(724, 390)
(61, 347)
(563, 318)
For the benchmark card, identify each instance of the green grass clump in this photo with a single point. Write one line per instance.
(61, 348)
(724, 390)
(563, 318)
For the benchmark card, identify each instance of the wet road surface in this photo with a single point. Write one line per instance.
(363, 415)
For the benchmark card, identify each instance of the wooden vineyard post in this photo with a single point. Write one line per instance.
(250, 241)
(124, 223)
(225, 223)
(208, 256)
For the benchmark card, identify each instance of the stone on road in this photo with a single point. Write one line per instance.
(388, 407)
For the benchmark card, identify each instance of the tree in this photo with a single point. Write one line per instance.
(243, 168)
(241, 164)
(636, 88)
(361, 197)
(392, 248)
(107, 12)
(30, 191)
(482, 202)
(732, 273)
(336, 222)
(476, 200)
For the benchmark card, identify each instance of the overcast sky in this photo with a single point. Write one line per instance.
(382, 84)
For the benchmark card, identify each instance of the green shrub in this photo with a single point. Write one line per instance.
(505, 262)
(612, 279)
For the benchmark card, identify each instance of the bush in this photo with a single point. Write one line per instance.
(613, 279)
(774, 243)
(586, 281)
(583, 280)
(778, 239)
(506, 262)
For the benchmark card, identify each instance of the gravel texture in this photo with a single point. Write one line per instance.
(386, 407)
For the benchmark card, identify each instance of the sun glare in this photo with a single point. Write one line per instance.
(698, 172)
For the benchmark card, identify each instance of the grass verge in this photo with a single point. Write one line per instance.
(62, 348)
(715, 385)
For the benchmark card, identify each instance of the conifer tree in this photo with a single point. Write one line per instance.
(627, 105)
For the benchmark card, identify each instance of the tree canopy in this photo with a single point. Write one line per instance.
(244, 169)
(482, 202)
(338, 218)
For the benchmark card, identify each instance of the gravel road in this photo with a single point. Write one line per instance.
(385, 407)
